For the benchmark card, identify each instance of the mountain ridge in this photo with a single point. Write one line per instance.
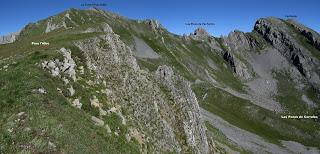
(156, 103)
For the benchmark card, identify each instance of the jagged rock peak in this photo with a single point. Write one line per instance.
(269, 19)
(154, 24)
(9, 38)
(282, 36)
(237, 35)
(201, 32)
(269, 22)
(238, 40)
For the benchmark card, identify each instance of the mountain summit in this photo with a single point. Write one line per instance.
(91, 81)
(201, 32)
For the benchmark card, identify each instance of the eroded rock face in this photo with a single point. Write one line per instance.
(229, 58)
(281, 37)
(154, 24)
(9, 38)
(132, 87)
(240, 44)
(147, 104)
(53, 26)
(66, 67)
(200, 33)
(180, 90)
(238, 67)
(310, 34)
(239, 41)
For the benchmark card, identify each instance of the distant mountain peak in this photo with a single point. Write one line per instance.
(201, 32)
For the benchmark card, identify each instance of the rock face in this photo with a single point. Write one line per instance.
(234, 49)
(154, 25)
(66, 67)
(201, 32)
(184, 97)
(9, 38)
(310, 34)
(229, 58)
(53, 26)
(152, 111)
(106, 77)
(238, 67)
(276, 32)
(239, 41)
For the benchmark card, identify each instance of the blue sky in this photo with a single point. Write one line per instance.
(227, 15)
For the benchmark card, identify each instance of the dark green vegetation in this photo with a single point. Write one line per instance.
(262, 122)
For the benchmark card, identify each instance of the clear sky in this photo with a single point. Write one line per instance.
(227, 15)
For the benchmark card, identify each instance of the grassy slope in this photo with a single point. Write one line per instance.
(50, 116)
(81, 119)
(289, 96)
(263, 122)
(45, 109)
(176, 52)
(173, 54)
(256, 119)
(225, 75)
